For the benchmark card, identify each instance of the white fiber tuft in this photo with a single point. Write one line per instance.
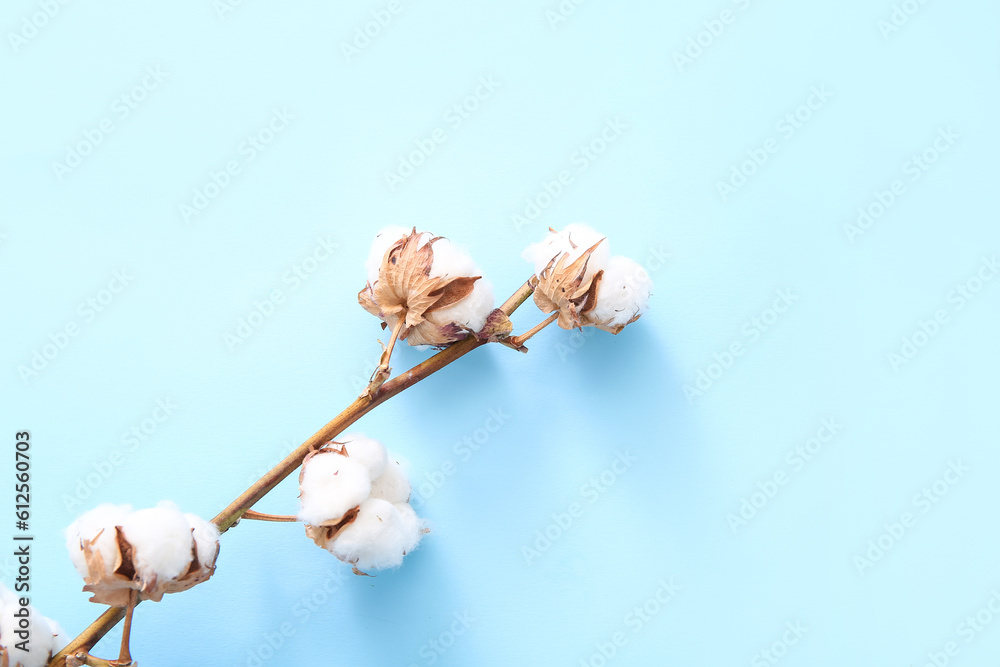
(471, 312)
(99, 521)
(44, 635)
(206, 539)
(366, 451)
(379, 537)
(383, 239)
(392, 485)
(330, 485)
(161, 539)
(575, 239)
(623, 293)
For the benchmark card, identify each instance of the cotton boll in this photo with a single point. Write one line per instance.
(623, 293)
(151, 551)
(329, 485)
(46, 637)
(436, 287)
(206, 539)
(574, 239)
(378, 538)
(40, 646)
(385, 238)
(98, 523)
(369, 453)
(161, 541)
(392, 485)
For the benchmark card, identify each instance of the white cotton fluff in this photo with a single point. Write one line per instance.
(45, 635)
(379, 537)
(623, 293)
(392, 485)
(369, 453)
(383, 239)
(575, 239)
(413, 526)
(99, 521)
(330, 485)
(472, 311)
(161, 541)
(59, 636)
(206, 539)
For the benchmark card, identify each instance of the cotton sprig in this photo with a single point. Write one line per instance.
(427, 290)
(354, 500)
(354, 497)
(27, 639)
(581, 284)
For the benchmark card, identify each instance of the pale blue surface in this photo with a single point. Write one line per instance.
(572, 403)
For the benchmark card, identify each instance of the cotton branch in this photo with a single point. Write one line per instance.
(228, 517)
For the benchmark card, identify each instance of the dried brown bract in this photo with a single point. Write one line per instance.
(564, 287)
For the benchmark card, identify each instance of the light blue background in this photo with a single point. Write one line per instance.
(572, 403)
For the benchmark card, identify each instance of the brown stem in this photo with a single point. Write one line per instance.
(228, 517)
(518, 341)
(261, 516)
(90, 636)
(517, 298)
(125, 657)
(381, 373)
